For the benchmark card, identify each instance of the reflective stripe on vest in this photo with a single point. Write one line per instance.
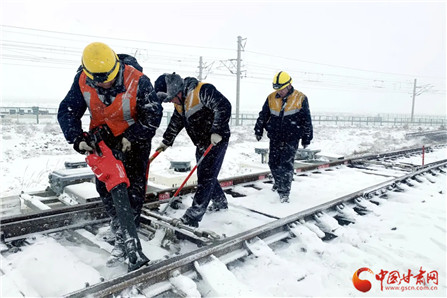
(121, 113)
(292, 105)
(192, 102)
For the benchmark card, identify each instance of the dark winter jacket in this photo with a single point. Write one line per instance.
(286, 118)
(148, 108)
(204, 111)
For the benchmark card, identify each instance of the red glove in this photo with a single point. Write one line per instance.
(107, 168)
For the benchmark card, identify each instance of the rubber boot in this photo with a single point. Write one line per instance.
(127, 223)
(118, 254)
(135, 255)
(109, 236)
(284, 198)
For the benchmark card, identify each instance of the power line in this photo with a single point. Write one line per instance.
(159, 59)
(337, 66)
(114, 38)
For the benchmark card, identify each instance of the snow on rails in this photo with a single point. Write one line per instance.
(213, 247)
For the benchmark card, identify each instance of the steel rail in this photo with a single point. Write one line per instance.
(22, 226)
(161, 271)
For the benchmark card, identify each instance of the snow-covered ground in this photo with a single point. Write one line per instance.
(30, 151)
(406, 232)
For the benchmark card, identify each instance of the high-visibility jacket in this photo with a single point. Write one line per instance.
(291, 106)
(119, 115)
(203, 112)
(286, 118)
(148, 111)
(192, 102)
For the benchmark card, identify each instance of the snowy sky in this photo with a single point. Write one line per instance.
(347, 56)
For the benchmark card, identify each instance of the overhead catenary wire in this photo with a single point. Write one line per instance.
(48, 52)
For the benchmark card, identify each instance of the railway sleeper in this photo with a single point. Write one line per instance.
(233, 193)
(433, 173)
(379, 199)
(408, 183)
(416, 178)
(363, 204)
(344, 221)
(428, 179)
(253, 186)
(327, 224)
(361, 210)
(345, 215)
(396, 188)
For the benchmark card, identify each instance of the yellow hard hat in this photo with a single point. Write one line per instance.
(100, 63)
(281, 80)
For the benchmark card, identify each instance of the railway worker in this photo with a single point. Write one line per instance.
(286, 118)
(205, 114)
(122, 100)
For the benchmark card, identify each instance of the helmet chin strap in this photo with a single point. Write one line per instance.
(179, 99)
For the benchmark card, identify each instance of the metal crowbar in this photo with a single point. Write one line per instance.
(156, 153)
(173, 198)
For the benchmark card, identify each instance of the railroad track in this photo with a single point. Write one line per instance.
(52, 220)
(152, 280)
(239, 246)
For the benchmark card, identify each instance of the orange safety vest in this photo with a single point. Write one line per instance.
(192, 102)
(122, 112)
(292, 106)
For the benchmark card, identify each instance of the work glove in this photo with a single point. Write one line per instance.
(162, 96)
(82, 143)
(83, 146)
(215, 138)
(162, 147)
(125, 145)
(258, 137)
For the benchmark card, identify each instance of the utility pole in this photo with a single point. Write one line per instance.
(422, 89)
(230, 65)
(203, 67)
(238, 76)
(414, 97)
(199, 77)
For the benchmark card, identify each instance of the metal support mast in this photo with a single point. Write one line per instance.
(230, 65)
(199, 77)
(238, 77)
(414, 97)
(418, 90)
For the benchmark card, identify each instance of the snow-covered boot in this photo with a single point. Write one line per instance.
(118, 254)
(186, 220)
(135, 255)
(107, 236)
(216, 207)
(126, 219)
(176, 203)
(284, 198)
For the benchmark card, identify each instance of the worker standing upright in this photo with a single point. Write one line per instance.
(286, 117)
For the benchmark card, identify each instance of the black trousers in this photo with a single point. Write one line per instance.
(135, 163)
(281, 158)
(208, 188)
